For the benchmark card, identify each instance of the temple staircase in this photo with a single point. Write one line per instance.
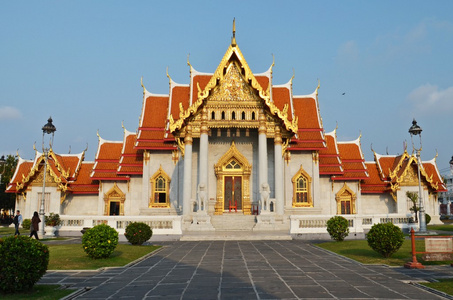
(234, 226)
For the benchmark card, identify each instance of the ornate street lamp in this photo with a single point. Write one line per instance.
(49, 128)
(417, 130)
(3, 162)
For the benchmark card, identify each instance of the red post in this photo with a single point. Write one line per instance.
(414, 264)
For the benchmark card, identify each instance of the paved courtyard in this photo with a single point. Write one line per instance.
(247, 270)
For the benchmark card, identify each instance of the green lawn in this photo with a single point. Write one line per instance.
(444, 285)
(72, 257)
(40, 292)
(8, 230)
(445, 227)
(360, 251)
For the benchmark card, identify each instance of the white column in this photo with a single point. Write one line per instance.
(262, 160)
(203, 185)
(187, 183)
(278, 159)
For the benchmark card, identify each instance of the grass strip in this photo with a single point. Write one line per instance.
(72, 257)
(40, 292)
(360, 251)
(444, 285)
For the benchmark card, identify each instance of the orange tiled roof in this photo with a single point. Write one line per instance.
(374, 184)
(131, 161)
(352, 160)
(329, 157)
(84, 184)
(107, 161)
(310, 134)
(281, 96)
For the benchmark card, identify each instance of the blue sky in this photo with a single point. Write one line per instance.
(81, 63)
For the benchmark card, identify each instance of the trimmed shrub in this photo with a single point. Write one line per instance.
(26, 223)
(385, 239)
(100, 241)
(427, 218)
(23, 261)
(138, 232)
(338, 228)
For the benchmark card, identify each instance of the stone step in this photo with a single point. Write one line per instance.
(233, 222)
(236, 236)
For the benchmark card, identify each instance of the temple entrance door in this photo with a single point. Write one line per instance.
(114, 208)
(232, 192)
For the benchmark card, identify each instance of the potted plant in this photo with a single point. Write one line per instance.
(52, 221)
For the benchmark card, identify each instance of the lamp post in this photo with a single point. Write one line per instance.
(48, 128)
(417, 130)
(2, 163)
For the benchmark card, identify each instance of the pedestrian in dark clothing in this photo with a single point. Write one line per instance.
(17, 222)
(34, 227)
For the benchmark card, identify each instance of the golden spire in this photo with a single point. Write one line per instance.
(143, 86)
(317, 88)
(233, 39)
(188, 62)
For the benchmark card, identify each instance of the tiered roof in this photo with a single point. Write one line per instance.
(389, 172)
(352, 160)
(68, 171)
(164, 115)
(329, 157)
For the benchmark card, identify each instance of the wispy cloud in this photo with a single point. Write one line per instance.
(348, 53)
(429, 99)
(9, 113)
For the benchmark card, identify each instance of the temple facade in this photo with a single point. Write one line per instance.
(228, 151)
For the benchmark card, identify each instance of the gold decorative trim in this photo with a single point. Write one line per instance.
(221, 172)
(308, 179)
(167, 178)
(339, 196)
(114, 194)
(217, 76)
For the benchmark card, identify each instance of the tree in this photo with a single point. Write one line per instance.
(413, 196)
(7, 201)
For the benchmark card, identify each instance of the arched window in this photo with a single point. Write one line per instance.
(213, 115)
(160, 186)
(302, 189)
(345, 201)
(223, 115)
(233, 116)
(253, 115)
(243, 115)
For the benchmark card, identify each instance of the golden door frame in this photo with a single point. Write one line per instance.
(114, 195)
(221, 171)
(350, 196)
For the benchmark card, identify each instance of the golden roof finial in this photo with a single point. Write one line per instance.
(168, 75)
(292, 77)
(233, 39)
(122, 125)
(188, 62)
(97, 133)
(317, 88)
(143, 86)
(17, 153)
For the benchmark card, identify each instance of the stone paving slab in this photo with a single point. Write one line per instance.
(248, 270)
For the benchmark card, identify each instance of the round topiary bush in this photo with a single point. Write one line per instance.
(23, 261)
(338, 228)
(100, 241)
(385, 239)
(427, 218)
(137, 233)
(26, 223)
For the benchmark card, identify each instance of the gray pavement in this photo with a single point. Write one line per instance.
(248, 270)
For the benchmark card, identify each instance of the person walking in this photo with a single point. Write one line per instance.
(17, 222)
(34, 227)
